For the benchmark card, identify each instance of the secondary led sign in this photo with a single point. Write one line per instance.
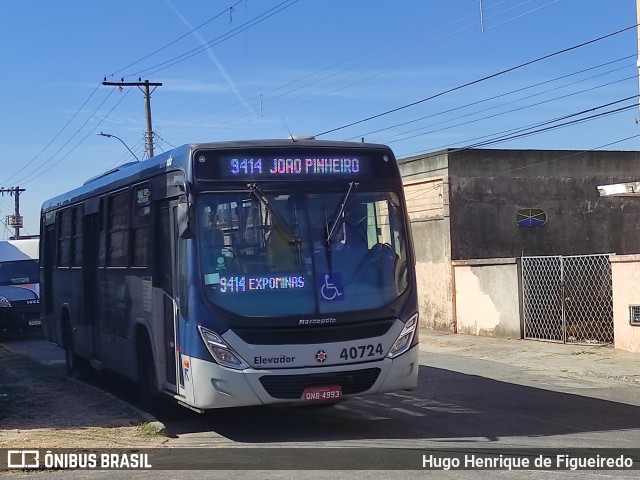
(247, 283)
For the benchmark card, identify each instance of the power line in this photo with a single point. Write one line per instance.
(540, 127)
(56, 135)
(176, 40)
(181, 58)
(25, 166)
(32, 176)
(536, 104)
(245, 26)
(515, 169)
(363, 59)
(474, 82)
(553, 127)
(494, 97)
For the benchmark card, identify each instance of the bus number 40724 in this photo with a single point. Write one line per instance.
(361, 351)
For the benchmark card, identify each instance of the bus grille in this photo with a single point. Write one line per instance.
(291, 387)
(310, 334)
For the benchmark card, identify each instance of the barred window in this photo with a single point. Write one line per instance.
(64, 238)
(118, 230)
(76, 237)
(140, 226)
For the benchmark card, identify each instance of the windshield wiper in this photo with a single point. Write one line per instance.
(339, 219)
(275, 214)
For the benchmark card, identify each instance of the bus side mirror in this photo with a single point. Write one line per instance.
(182, 220)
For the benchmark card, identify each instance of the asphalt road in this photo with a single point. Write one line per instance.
(461, 402)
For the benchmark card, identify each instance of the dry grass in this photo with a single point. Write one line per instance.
(39, 409)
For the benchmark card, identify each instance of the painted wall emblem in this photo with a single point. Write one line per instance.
(531, 217)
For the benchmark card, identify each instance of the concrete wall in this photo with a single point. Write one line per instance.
(427, 196)
(487, 297)
(463, 206)
(489, 186)
(625, 272)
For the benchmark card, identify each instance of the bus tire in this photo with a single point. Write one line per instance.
(147, 380)
(77, 367)
(151, 398)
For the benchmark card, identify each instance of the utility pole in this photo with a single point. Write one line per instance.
(144, 87)
(15, 220)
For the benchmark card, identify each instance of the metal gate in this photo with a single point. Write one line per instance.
(568, 299)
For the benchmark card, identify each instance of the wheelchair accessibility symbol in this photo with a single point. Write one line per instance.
(331, 288)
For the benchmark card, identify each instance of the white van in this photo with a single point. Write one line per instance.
(19, 284)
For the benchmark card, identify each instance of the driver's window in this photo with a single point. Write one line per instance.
(378, 229)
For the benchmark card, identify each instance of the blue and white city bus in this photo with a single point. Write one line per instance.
(238, 273)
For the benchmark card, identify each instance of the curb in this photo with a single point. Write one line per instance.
(582, 360)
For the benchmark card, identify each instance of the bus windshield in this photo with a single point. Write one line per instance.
(270, 253)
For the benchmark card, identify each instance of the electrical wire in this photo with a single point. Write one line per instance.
(479, 80)
(552, 127)
(185, 56)
(545, 162)
(406, 136)
(176, 40)
(394, 61)
(540, 127)
(403, 52)
(32, 176)
(55, 136)
(495, 97)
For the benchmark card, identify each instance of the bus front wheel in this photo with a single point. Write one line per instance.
(151, 398)
(147, 380)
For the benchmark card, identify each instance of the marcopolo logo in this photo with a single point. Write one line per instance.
(317, 321)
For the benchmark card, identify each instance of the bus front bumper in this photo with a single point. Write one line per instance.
(218, 387)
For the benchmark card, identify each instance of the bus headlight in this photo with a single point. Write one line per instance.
(220, 351)
(403, 341)
(4, 302)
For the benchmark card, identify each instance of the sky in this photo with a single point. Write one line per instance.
(417, 75)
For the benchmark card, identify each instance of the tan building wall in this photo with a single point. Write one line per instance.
(487, 297)
(428, 207)
(625, 273)
(426, 191)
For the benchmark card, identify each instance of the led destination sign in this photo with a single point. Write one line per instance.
(292, 166)
(289, 164)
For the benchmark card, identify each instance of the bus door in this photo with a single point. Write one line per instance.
(166, 301)
(48, 246)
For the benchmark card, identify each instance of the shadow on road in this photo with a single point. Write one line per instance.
(446, 404)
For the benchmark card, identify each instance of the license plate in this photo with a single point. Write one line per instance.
(34, 322)
(322, 394)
